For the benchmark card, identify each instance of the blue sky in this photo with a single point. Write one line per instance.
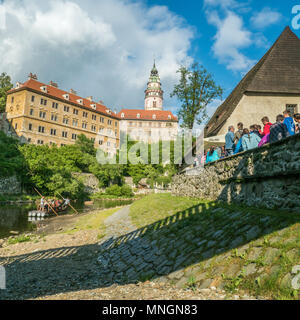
(272, 16)
(105, 48)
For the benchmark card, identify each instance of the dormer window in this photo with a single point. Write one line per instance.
(80, 101)
(66, 96)
(108, 111)
(43, 88)
(169, 116)
(18, 85)
(93, 106)
(122, 115)
(154, 116)
(138, 115)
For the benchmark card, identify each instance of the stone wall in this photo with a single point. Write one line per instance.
(264, 177)
(10, 185)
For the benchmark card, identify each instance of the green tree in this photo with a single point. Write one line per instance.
(5, 85)
(195, 90)
(85, 145)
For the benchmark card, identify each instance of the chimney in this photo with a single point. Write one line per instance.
(90, 98)
(73, 91)
(53, 84)
(32, 76)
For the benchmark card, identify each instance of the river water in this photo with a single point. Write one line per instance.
(14, 218)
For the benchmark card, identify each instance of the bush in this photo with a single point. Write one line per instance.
(123, 191)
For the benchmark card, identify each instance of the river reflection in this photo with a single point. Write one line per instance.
(15, 219)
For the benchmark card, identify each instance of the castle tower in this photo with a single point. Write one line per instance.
(153, 93)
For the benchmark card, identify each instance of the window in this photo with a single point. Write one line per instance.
(292, 108)
(93, 139)
(12, 99)
(42, 114)
(74, 136)
(75, 123)
(32, 98)
(40, 142)
(41, 129)
(116, 132)
(84, 125)
(94, 117)
(31, 112)
(30, 126)
(93, 128)
(16, 126)
(65, 120)
(54, 105)
(75, 111)
(108, 143)
(101, 142)
(66, 108)
(53, 132)
(101, 119)
(109, 122)
(62, 145)
(65, 134)
(53, 117)
(29, 140)
(85, 114)
(43, 102)
(116, 123)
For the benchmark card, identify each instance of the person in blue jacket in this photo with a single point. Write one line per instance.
(239, 147)
(289, 122)
(250, 140)
(212, 155)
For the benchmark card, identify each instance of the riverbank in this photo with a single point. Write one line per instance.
(63, 265)
(174, 246)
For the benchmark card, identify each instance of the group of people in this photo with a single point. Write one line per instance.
(45, 205)
(245, 139)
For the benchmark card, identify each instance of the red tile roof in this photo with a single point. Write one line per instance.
(58, 93)
(131, 114)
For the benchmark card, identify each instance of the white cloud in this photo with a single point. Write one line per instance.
(102, 48)
(230, 38)
(265, 18)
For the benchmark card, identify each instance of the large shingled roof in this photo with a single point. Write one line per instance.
(57, 93)
(278, 71)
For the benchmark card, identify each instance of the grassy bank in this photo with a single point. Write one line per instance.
(231, 247)
(92, 221)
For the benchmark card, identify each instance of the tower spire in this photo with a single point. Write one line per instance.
(153, 93)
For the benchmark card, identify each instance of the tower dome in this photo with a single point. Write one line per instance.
(153, 93)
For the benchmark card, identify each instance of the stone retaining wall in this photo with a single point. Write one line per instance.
(264, 177)
(10, 185)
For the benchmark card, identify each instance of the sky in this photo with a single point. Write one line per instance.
(105, 48)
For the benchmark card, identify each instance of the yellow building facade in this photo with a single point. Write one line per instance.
(43, 114)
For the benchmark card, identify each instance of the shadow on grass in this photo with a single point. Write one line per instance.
(183, 239)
